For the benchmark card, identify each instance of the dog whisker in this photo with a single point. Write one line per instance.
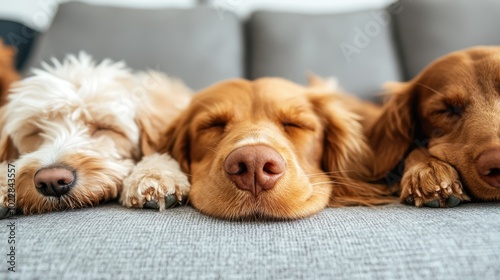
(320, 183)
(211, 149)
(431, 89)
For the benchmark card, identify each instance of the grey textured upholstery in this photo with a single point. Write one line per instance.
(428, 29)
(357, 48)
(192, 44)
(391, 242)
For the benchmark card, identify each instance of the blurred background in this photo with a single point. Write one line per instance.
(364, 43)
(29, 12)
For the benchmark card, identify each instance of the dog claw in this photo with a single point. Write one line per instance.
(135, 201)
(171, 201)
(453, 201)
(432, 203)
(4, 212)
(410, 201)
(151, 204)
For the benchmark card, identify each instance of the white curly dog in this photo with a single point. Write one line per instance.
(72, 133)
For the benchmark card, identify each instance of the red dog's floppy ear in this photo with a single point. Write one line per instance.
(8, 151)
(393, 132)
(347, 157)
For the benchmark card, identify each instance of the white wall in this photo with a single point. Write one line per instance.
(244, 7)
(38, 14)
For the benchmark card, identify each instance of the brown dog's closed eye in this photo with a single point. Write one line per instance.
(272, 149)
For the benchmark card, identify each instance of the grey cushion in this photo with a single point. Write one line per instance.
(429, 29)
(192, 44)
(357, 48)
(390, 242)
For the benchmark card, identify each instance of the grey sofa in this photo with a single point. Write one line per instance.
(364, 50)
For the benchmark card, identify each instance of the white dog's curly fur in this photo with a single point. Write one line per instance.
(89, 124)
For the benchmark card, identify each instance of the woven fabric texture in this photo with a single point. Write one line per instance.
(390, 242)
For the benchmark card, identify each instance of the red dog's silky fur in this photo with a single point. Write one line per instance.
(446, 124)
(8, 72)
(272, 149)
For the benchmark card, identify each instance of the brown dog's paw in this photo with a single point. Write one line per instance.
(432, 184)
(156, 182)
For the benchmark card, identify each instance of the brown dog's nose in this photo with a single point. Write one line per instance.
(54, 181)
(254, 168)
(488, 166)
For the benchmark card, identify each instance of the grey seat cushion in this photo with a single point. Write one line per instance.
(192, 44)
(390, 242)
(428, 29)
(357, 48)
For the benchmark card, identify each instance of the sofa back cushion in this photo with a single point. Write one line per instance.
(192, 44)
(357, 48)
(428, 29)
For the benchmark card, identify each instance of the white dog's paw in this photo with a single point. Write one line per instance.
(155, 182)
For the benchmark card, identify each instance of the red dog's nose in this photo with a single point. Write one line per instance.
(488, 166)
(254, 168)
(54, 181)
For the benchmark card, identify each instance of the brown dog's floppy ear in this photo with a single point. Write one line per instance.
(316, 82)
(345, 147)
(392, 133)
(162, 100)
(8, 151)
(177, 142)
(150, 135)
(347, 157)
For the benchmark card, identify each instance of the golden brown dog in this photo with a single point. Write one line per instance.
(447, 122)
(272, 149)
(8, 72)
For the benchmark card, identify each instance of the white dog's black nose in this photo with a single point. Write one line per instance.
(55, 180)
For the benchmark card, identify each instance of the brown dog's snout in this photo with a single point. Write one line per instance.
(488, 166)
(54, 181)
(254, 168)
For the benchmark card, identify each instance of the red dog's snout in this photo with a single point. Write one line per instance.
(488, 166)
(54, 181)
(254, 168)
